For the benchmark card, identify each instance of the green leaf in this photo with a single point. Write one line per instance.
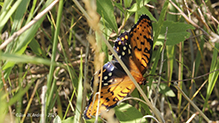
(126, 113)
(35, 47)
(144, 10)
(164, 89)
(57, 119)
(176, 32)
(68, 120)
(127, 3)
(159, 24)
(133, 8)
(138, 5)
(119, 6)
(106, 10)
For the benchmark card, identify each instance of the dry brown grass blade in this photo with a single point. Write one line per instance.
(190, 101)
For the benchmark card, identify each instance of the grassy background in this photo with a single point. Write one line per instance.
(46, 70)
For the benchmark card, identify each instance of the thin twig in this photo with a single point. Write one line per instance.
(187, 98)
(183, 80)
(213, 36)
(195, 94)
(161, 68)
(192, 89)
(31, 98)
(82, 9)
(191, 118)
(202, 18)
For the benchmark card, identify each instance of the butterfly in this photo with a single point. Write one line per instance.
(134, 48)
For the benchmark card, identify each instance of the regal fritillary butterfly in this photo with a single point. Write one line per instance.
(134, 48)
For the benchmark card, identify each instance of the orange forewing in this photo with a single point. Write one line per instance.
(141, 42)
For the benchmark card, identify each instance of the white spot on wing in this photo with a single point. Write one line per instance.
(110, 74)
(105, 78)
(105, 84)
(124, 48)
(123, 53)
(129, 51)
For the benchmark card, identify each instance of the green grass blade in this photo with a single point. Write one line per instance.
(199, 55)
(78, 111)
(212, 79)
(15, 58)
(50, 80)
(18, 17)
(8, 14)
(3, 108)
(55, 42)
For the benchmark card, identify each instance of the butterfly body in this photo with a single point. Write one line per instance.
(134, 49)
